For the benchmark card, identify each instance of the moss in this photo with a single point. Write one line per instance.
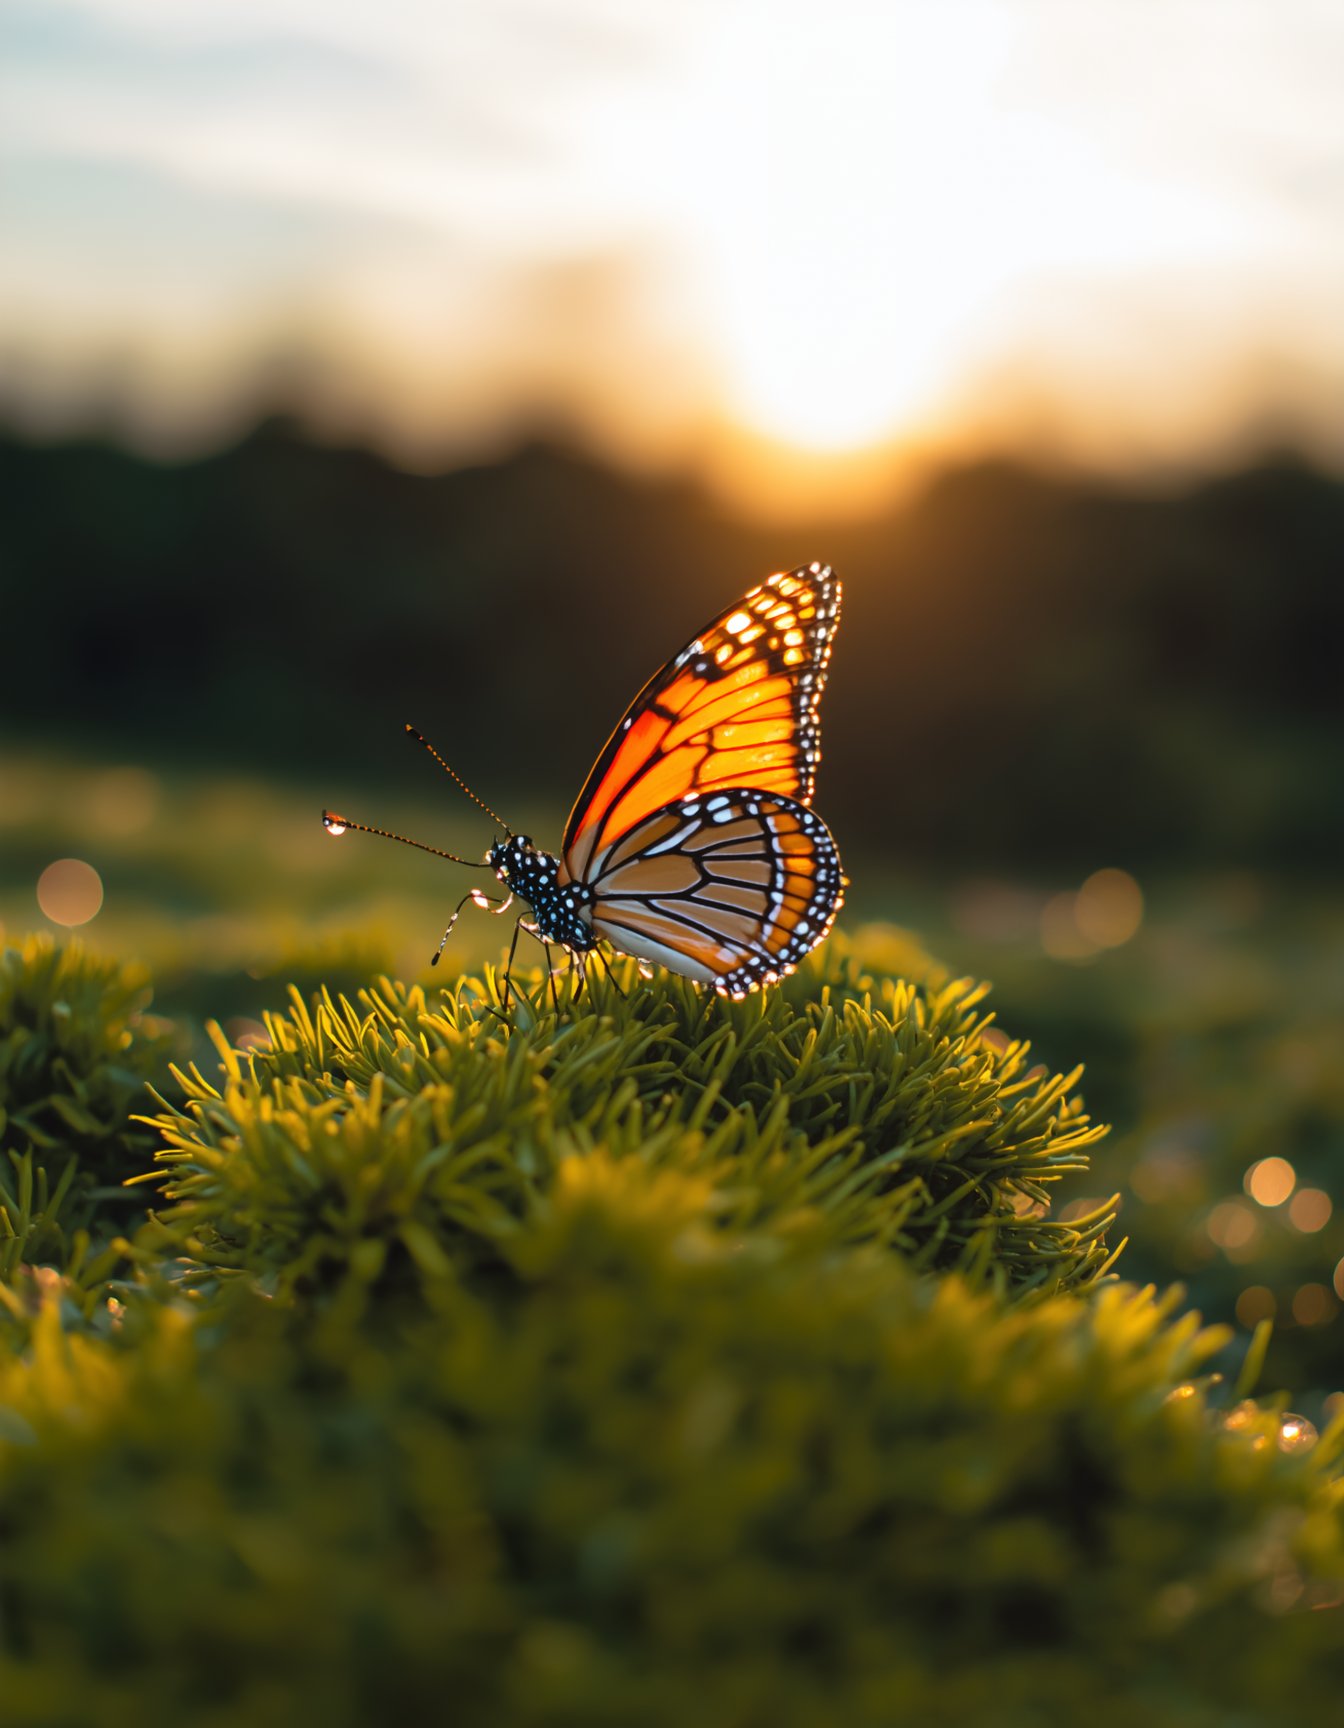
(647, 1477)
(843, 1107)
(76, 1048)
(656, 1361)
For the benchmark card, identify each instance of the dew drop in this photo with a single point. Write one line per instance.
(1296, 1434)
(480, 898)
(645, 970)
(334, 825)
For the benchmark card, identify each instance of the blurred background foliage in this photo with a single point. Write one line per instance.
(1031, 671)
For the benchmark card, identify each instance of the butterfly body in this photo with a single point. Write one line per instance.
(559, 908)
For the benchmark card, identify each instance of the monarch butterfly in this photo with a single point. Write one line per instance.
(693, 842)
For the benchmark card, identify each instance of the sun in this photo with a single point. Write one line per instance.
(853, 233)
(821, 366)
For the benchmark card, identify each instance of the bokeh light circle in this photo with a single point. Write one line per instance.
(1270, 1181)
(1061, 938)
(1109, 908)
(1313, 1305)
(1309, 1210)
(70, 892)
(1234, 1228)
(1256, 1303)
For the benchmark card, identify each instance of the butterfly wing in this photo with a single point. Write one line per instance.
(730, 888)
(738, 707)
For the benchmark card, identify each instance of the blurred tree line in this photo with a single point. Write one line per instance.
(1031, 669)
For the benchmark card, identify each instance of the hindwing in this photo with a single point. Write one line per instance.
(730, 888)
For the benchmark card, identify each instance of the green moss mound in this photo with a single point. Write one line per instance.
(651, 1361)
(648, 1477)
(842, 1107)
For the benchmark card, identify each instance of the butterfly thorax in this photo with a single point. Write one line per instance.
(559, 909)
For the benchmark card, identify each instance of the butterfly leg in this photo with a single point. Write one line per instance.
(437, 955)
(506, 987)
(550, 970)
(576, 966)
(611, 978)
(477, 898)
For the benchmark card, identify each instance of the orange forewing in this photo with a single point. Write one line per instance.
(737, 708)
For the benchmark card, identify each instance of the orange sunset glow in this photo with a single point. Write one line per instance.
(791, 247)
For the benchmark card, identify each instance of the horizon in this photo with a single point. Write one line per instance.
(811, 259)
(879, 494)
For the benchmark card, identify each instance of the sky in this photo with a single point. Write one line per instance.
(794, 245)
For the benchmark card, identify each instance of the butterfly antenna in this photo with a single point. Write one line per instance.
(454, 775)
(336, 826)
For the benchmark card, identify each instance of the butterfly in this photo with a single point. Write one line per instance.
(693, 843)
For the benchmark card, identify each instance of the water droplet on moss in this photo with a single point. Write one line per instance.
(1296, 1434)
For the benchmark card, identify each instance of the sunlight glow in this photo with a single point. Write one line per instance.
(846, 269)
(800, 248)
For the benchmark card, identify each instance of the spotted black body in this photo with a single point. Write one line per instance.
(558, 909)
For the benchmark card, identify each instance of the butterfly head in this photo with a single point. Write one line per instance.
(522, 867)
(512, 854)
